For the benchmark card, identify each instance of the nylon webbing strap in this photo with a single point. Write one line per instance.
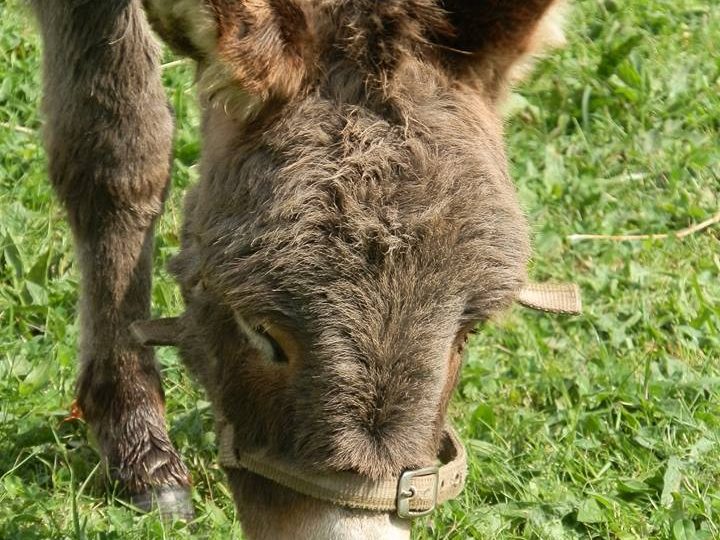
(422, 489)
(549, 297)
(552, 297)
(412, 494)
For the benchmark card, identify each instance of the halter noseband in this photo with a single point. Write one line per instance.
(412, 494)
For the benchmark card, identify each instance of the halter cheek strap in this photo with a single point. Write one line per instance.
(560, 298)
(413, 493)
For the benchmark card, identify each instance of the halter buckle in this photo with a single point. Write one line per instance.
(407, 491)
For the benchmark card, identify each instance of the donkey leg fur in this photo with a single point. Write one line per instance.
(108, 138)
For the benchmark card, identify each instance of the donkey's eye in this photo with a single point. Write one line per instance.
(271, 342)
(278, 353)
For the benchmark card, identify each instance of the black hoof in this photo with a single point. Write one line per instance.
(173, 502)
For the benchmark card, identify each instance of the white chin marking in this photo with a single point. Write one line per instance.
(343, 525)
(334, 524)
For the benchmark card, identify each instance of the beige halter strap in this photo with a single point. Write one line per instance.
(412, 494)
(563, 298)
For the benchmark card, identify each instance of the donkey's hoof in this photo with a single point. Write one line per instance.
(173, 502)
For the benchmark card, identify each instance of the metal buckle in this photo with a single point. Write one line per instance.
(406, 492)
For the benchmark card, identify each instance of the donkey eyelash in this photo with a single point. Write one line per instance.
(278, 354)
(261, 340)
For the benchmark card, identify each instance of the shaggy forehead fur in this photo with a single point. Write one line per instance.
(371, 215)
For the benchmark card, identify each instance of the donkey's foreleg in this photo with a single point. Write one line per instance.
(108, 137)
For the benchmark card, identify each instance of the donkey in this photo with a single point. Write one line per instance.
(353, 223)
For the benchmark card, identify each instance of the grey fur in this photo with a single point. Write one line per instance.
(354, 201)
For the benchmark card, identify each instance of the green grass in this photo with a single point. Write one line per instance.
(602, 426)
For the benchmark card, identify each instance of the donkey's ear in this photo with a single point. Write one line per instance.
(261, 44)
(494, 39)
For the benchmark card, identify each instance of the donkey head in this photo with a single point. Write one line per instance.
(354, 221)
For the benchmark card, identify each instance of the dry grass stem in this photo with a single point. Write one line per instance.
(682, 233)
(19, 129)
